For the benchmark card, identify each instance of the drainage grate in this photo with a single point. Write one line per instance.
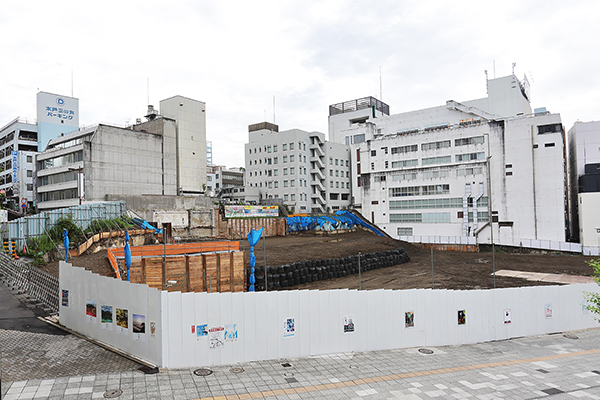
(291, 380)
(543, 371)
(147, 370)
(286, 365)
(237, 370)
(425, 351)
(111, 394)
(203, 372)
(552, 391)
(571, 336)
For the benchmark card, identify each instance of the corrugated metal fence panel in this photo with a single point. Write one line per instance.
(83, 215)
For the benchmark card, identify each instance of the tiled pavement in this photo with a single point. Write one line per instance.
(549, 366)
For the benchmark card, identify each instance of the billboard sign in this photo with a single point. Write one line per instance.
(55, 109)
(251, 211)
(14, 167)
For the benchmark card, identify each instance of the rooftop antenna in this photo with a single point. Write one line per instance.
(486, 80)
(494, 69)
(513, 67)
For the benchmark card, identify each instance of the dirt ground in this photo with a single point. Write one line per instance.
(451, 270)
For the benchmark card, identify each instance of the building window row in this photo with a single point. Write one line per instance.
(59, 195)
(428, 218)
(426, 190)
(449, 202)
(63, 160)
(57, 178)
(469, 157)
(284, 146)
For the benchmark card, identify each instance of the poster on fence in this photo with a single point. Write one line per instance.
(201, 331)
(348, 324)
(90, 311)
(462, 317)
(231, 333)
(289, 327)
(122, 321)
(409, 319)
(106, 317)
(152, 329)
(216, 336)
(548, 310)
(507, 316)
(65, 298)
(138, 323)
(251, 211)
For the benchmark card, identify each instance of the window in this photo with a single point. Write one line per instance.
(274, 148)
(330, 161)
(29, 159)
(430, 218)
(276, 184)
(30, 186)
(426, 190)
(435, 160)
(330, 172)
(275, 160)
(470, 157)
(435, 145)
(293, 197)
(292, 170)
(386, 165)
(331, 184)
(372, 166)
(285, 184)
(337, 185)
(469, 140)
(345, 196)
(336, 161)
(348, 174)
(385, 150)
(270, 185)
(270, 173)
(269, 160)
(549, 128)
(291, 158)
(347, 163)
(469, 171)
(405, 163)
(29, 173)
(285, 171)
(337, 173)
(284, 159)
(373, 153)
(292, 146)
(268, 149)
(333, 196)
(284, 147)
(293, 183)
(405, 149)
(275, 172)
(403, 231)
(549, 145)
(285, 197)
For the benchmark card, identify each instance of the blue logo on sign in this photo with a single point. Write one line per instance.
(60, 101)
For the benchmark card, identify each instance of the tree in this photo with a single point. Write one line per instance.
(594, 297)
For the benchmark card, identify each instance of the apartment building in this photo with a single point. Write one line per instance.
(308, 173)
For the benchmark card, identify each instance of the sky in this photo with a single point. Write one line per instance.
(287, 61)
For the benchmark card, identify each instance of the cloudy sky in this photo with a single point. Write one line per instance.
(237, 56)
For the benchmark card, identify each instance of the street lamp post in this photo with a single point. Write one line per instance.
(79, 171)
(490, 212)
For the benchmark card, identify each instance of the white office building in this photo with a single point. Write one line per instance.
(443, 171)
(308, 173)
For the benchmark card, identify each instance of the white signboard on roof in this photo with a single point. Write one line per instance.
(56, 109)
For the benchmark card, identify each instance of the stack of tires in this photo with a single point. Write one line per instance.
(297, 273)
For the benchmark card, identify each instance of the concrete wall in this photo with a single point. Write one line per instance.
(254, 322)
(126, 162)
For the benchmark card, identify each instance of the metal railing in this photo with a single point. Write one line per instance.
(30, 280)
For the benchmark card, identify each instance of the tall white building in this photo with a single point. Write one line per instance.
(191, 141)
(584, 149)
(308, 173)
(443, 171)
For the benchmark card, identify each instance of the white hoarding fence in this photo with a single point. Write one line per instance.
(201, 329)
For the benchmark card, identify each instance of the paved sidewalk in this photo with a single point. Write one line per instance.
(550, 366)
(543, 277)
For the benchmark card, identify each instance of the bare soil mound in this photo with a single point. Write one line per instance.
(451, 270)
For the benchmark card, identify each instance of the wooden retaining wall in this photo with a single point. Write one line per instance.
(197, 267)
(238, 228)
(467, 248)
(215, 272)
